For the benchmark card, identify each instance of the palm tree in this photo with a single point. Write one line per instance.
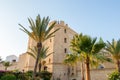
(72, 59)
(88, 51)
(42, 56)
(6, 65)
(40, 31)
(113, 49)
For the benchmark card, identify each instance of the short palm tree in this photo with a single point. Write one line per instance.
(43, 54)
(6, 65)
(40, 31)
(72, 59)
(88, 51)
(113, 49)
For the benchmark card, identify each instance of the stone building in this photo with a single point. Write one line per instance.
(59, 46)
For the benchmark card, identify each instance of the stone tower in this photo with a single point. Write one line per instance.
(59, 47)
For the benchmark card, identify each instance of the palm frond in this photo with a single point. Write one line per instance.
(39, 29)
(71, 59)
(51, 34)
(43, 54)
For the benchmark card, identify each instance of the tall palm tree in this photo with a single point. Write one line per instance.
(88, 50)
(6, 65)
(43, 54)
(40, 31)
(113, 49)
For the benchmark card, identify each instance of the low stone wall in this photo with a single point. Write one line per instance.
(100, 74)
(97, 74)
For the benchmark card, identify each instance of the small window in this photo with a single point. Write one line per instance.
(68, 72)
(49, 60)
(13, 60)
(72, 74)
(50, 40)
(65, 50)
(100, 67)
(65, 40)
(65, 31)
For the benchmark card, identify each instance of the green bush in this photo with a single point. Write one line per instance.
(114, 76)
(29, 73)
(45, 75)
(23, 77)
(8, 77)
(2, 73)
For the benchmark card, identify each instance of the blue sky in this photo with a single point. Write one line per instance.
(97, 18)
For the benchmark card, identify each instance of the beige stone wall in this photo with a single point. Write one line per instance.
(100, 74)
(14, 66)
(59, 69)
(23, 62)
(2, 67)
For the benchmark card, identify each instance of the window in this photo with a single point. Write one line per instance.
(68, 73)
(65, 40)
(72, 74)
(50, 40)
(65, 31)
(49, 60)
(13, 60)
(100, 67)
(65, 50)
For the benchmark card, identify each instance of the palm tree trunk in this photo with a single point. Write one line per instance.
(39, 46)
(40, 67)
(87, 69)
(118, 66)
(82, 71)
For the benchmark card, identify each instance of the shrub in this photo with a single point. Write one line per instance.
(2, 73)
(23, 77)
(114, 76)
(8, 77)
(17, 74)
(29, 73)
(45, 75)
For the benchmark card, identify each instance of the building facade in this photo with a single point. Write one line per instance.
(59, 46)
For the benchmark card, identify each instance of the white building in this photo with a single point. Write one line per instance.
(12, 58)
